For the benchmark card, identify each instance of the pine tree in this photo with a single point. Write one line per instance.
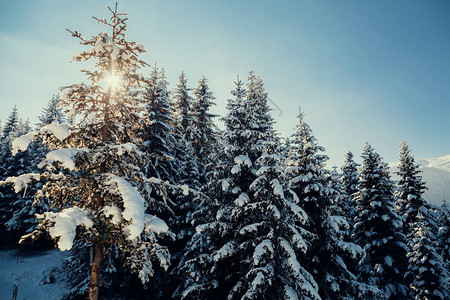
(11, 124)
(204, 128)
(183, 109)
(22, 207)
(378, 229)
(246, 244)
(9, 166)
(349, 180)
(430, 280)
(444, 238)
(410, 188)
(327, 251)
(51, 113)
(157, 133)
(101, 193)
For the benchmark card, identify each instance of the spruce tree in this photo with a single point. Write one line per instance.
(410, 188)
(327, 251)
(204, 128)
(101, 193)
(183, 109)
(9, 166)
(426, 266)
(246, 244)
(444, 238)
(51, 113)
(349, 180)
(378, 229)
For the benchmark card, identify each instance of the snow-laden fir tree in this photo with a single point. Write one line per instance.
(246, 248)
(205, 139)
(349, 179)
(22, 207)
(183, 109)
(327, 251)
(444, 237)
(157, 132)
(168, 163)
(10, 202)
(92, 175)
(410, 188)
(51, 113)
(378, 229)
(429, 277)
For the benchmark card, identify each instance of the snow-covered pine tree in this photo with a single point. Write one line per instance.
(410, 188)
(430, 280)
(205, 139)
(327, 251)
(9, 166)
(378, 229)
(247, 248)
(186, 133)
(183, 109)
(97, 196)
(444, 238)
(349, 179)
(168, 160)
(22, 219)
(157, 133)
(51, 113)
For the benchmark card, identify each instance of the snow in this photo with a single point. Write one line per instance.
(21, 143)
(114, 212)
(299, 213)
(126, 148)
(60, 131)
(243, 160)
(185, 189)
(28, 271)
(290, 293)
(65, 225)
(261, 250)
(21, 182)
(155, 224)
(277, 188)
(133, 205)
(242, 199)
(250, 228)
(226, 250)
(388, 260)
(64, 156)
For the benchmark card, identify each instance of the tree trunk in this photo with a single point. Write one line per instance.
(95, 271)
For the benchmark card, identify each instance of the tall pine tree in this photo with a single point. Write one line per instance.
(327, 251)
(102, 195)
(247, 248)
(378, 229)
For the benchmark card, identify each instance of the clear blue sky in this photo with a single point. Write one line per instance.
(375, 71)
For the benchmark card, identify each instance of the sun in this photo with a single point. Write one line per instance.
(113, 81)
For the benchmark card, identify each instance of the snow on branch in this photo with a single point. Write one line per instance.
(60, 131)
(132, 202)
(65, 225)
(65, 157)
(21, 182)
(21, 143)
(155, 224)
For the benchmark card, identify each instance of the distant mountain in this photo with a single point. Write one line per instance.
(436, 174)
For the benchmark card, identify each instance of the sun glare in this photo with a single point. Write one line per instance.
(113, 81)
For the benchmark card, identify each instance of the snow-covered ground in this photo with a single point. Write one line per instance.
(28, 271)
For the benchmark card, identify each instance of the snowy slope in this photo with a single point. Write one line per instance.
(27, 271)
(436, 174)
